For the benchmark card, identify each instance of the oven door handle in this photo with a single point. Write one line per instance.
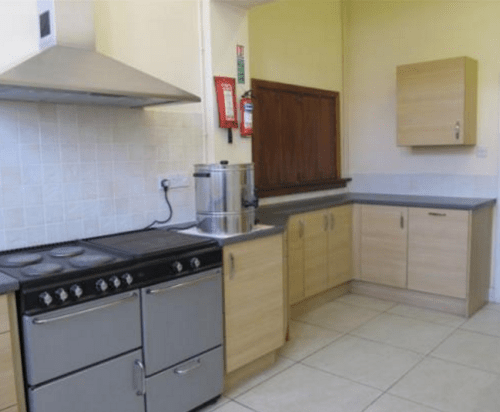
(38, 321)
(183, 371)
(138, 365)
(180, 285)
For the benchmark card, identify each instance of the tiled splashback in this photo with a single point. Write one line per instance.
(70, 172)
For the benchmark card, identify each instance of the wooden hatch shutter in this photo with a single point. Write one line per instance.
(296, 141)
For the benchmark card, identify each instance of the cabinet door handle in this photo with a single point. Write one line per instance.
(232, 266)
(325, 217)
(332, 221)
(436, 214)
(402, 222)
(301, 229)
(456, 130)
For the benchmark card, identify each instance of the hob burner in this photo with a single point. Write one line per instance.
(42, 269)
(20, 260)
(67, 251)
(88, 261)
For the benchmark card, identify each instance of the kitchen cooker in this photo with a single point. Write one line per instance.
(126, 322)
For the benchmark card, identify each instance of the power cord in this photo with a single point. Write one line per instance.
(164, 184)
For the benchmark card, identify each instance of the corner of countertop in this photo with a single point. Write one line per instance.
(7, 284)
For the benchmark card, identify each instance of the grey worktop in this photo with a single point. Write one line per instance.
(277, 214)
(7, 284)
(224, 240)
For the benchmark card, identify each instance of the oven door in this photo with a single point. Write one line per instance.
(65, 340)
(115, 385)
(182, 318)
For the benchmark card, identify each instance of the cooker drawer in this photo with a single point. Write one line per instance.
(182, 318)
(65, 340)
(187, 385)
(115, 385)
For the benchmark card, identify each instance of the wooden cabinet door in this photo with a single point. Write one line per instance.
(438, 251)
(384, 240)
(315, 252)
(7, 381)
(436, 102)
(253, 299)
(295, 229)
(340, 245)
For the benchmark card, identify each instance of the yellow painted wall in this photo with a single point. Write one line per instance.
(379, 35)
(297, 42)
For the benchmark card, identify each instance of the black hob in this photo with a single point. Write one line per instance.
(64, 274)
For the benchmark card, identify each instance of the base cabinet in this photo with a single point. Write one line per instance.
(437, 251)
(319, 251)
(384, 232)
(253, 300)
(339, 245)
(11, 386)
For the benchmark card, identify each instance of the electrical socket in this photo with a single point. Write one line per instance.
(174, 181)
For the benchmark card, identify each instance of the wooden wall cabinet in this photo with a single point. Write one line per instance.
(319, 251)
(11, 385)
(437, 103)
(253, 300)
(384, 231)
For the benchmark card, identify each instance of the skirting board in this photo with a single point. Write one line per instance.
(424, 300)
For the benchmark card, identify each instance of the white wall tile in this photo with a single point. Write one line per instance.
(13, 218)
(34, 216)
(72, 171)
(32, 174)
(33, 195)
(54, 213)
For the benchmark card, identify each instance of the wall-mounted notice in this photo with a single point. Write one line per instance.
(240, 62)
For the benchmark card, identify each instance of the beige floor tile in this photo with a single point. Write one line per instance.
(303, 389)
(450, 387)
(280, 365)
(232, 407)
(338, 316)
(222, 400)
(370, 363)
(428, 315)
(471, 349)
(389, 403)
(492, 305)
(485, 321)
(306, 339)
(366, 302)
(407, 333)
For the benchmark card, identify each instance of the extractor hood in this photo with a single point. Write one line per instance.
(68, 70)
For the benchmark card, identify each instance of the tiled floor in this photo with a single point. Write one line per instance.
(359, 354)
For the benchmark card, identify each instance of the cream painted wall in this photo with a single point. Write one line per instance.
(161, 37)
(19, 29)
(228, 28)
(298, 42)
(381, 35)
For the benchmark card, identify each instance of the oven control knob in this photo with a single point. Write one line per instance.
(101, 285)
(61, 295)
(195, 263)
(115, 282)
(76, 291)
(127, 278)
(45, 299)
(177, 267)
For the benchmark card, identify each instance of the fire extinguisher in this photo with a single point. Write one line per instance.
(246, 108)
